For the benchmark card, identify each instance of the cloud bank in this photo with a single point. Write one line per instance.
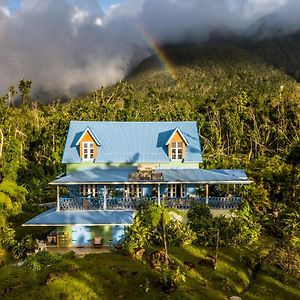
(70, 46)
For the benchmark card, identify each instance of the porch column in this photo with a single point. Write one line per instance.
(57, 195)
(206, 196)
(158, 194)
(104, 197)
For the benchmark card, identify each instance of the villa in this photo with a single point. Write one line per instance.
(113, 167)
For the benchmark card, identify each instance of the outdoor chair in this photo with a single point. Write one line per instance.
(98, 242)
(41, 245)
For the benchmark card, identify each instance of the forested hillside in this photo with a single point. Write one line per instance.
(248, 113)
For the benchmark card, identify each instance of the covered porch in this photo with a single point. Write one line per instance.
(127, 189)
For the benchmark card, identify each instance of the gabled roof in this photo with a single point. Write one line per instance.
(180, 133)
(92, 135)
(132, 142)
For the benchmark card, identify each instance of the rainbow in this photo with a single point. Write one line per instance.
(162, 57)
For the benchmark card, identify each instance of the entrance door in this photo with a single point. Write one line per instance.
(81, 236)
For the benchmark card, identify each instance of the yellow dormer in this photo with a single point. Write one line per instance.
(177, 145)
(87, 144)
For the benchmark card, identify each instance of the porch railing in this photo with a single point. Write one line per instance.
(90, 203)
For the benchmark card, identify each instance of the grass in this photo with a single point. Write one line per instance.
(115, 276)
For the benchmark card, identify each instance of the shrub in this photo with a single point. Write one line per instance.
(21, 248)
(137, 236)
(237, 229)
(41, 260)
(201, 221)
(180, 234)
(145, 231)
(170, 279)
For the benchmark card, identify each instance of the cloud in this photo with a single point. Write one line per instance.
(69, 46)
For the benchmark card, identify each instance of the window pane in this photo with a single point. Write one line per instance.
(179, 144)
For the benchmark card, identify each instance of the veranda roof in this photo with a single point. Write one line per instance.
(121, 176)
(52, 217)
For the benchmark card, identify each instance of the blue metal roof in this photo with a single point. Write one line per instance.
(96, 175)
(52, 217)
(206, 176)
(121, 175)
(131, 142)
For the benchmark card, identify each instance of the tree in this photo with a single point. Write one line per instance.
(25, 89)
(12, 197)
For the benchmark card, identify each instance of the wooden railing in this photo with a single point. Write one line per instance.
(91, 203)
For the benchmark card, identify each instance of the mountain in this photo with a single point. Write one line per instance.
(217, 69)
(283, 52)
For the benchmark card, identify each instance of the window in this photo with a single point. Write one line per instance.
(132, 190)
(176, 150)
(176, 190)
(88, 150)
(172, 190)
(88, 190)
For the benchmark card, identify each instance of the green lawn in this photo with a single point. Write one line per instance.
(115, 276)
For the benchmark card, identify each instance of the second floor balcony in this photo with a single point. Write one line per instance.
(92, 203)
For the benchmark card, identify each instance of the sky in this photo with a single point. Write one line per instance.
(105, 5)
(67, 47)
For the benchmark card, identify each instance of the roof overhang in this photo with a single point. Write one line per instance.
(52, 217)
(116, 176)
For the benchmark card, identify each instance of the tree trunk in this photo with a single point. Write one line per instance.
(165, 241)
(1, 142)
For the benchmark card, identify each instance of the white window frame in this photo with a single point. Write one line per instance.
(172, 190)
(132, 191)
(89, 190)
(176, 150)
(88, 151)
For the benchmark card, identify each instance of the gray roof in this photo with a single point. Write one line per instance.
(52, 217)
(132, 142)
(121, 175)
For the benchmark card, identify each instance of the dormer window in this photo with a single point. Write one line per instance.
(177, 144)
(88, 151)
(88, 145)
(177, 150)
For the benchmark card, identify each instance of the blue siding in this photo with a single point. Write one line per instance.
(191, 189)
(147, 191)
(118, 190)
(81, 236)
(73, 190)
(164, 189)
(118, 234)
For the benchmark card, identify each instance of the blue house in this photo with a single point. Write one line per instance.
(113, 167)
